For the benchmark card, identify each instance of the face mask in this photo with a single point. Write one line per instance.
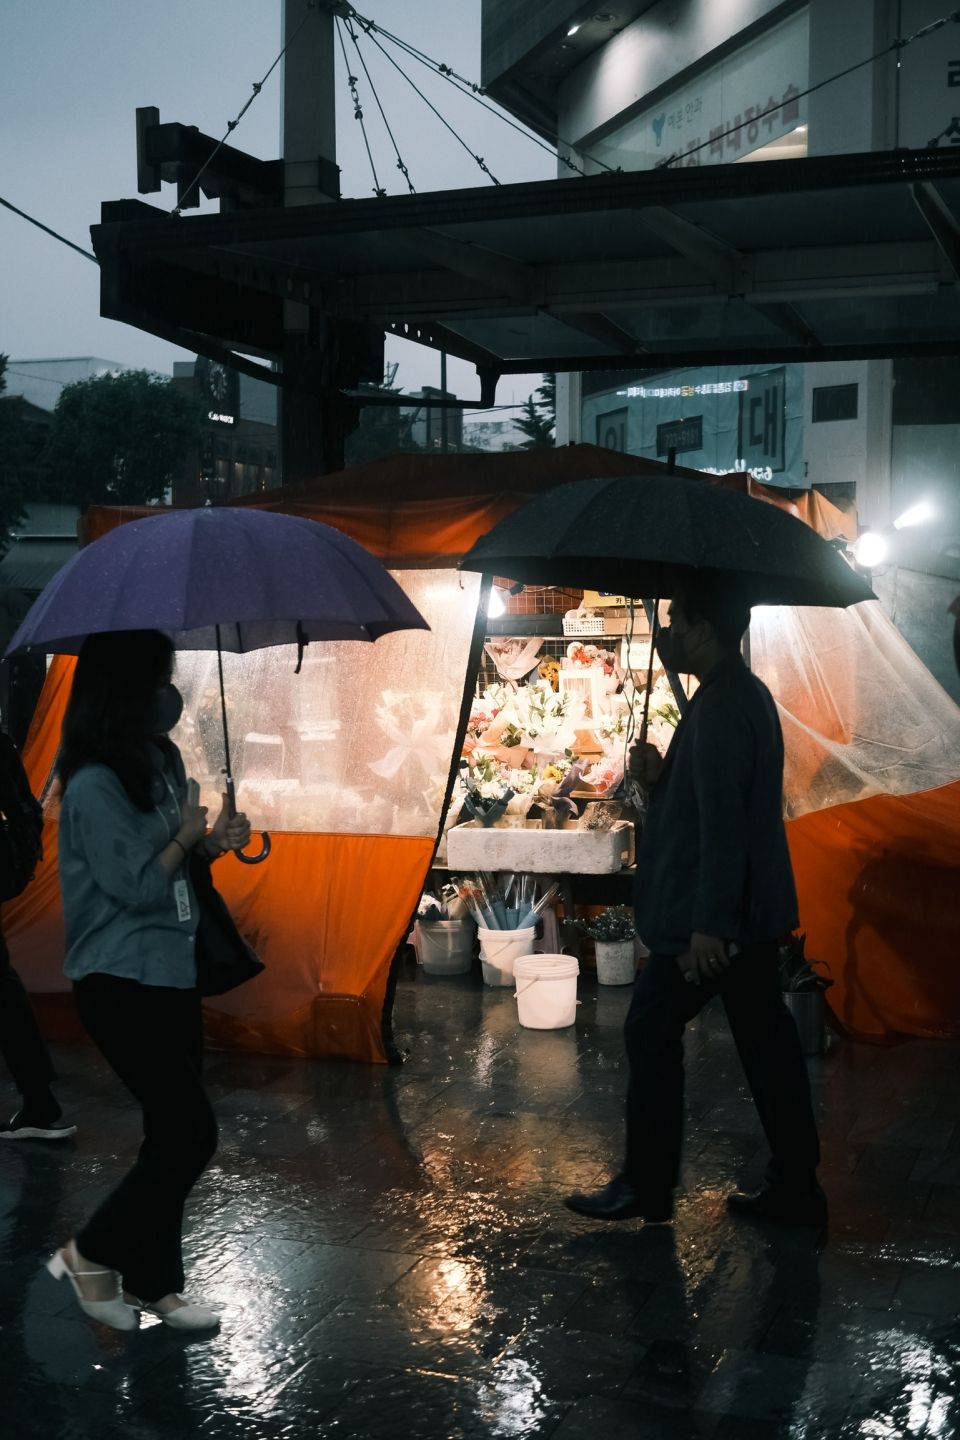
(670, 652)
(165, 712)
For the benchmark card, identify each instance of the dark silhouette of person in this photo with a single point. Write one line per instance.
(38, 1116)
(714, 895)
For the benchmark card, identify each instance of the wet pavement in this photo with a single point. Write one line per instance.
(394, 1259)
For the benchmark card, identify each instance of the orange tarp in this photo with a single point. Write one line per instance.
(325, 914)
(879, 886)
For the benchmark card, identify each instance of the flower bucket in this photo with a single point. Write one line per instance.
(546, 991)
(444, 947)
(500, 948)
(616, 962)
(808, 1010)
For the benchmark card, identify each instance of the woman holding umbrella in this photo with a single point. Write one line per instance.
(128, 824)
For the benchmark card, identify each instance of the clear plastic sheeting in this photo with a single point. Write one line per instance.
(359, 743)
(861, 714)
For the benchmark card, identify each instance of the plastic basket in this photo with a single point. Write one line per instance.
(583, 625)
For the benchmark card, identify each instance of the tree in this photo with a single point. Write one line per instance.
(14, 461)
(539, 418)
(118, 439)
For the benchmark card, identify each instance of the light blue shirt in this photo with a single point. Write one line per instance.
(119, 904)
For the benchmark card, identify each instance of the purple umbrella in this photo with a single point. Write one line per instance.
(220, 579)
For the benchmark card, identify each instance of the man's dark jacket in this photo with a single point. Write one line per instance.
(713, 856)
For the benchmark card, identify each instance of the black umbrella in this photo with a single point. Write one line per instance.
(640, 535)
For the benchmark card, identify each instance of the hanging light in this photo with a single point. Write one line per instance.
(495, 604)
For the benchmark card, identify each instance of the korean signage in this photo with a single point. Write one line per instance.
(724, 113)
(612, 429)
(680, 435)
(719, 419)
(929, 112)
(761, 433)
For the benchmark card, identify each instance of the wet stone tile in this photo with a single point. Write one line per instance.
(393, 1255)
(569, 1362)
(597, 1415)
(418, 1404)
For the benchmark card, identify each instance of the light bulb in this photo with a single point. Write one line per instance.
(495, 605)
(871, 549)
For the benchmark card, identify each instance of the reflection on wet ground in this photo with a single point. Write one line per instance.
(394, 1260)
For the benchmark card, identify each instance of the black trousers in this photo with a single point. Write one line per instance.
(152, 1037)
(769, 1049)
(21, 1043)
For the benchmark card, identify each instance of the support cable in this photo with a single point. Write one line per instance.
(232, 124)
(900, 43)
(87, 255)
(368, 28)
(473, 91)
(378, 189)
(396, 149)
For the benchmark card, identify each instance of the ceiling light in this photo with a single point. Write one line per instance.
(573, 30)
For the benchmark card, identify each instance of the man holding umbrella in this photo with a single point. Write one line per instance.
(714, 894)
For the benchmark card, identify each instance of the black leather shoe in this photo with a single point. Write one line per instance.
(620, 1200)
(789, 1207)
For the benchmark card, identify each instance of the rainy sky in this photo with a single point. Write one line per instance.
(72, 73)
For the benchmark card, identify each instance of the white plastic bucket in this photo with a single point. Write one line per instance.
(444, 947)
(499, 949)
(546, 991)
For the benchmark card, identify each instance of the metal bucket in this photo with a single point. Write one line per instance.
(807, 1009)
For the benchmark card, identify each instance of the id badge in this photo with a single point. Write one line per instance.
(182, 896)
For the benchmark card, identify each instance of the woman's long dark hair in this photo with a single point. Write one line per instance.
(107, 722)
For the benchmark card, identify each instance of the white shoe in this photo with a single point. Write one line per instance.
(116, 1312)
(191, 1315)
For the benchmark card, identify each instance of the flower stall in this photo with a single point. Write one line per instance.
(360, 762)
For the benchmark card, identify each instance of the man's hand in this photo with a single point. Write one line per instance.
(644, 764)
(705, 961)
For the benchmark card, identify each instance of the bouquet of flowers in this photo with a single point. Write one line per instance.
(591, 657)
(613, 924)
(487, 793)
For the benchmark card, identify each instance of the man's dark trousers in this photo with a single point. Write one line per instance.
(769, 1049)
(21, 1044)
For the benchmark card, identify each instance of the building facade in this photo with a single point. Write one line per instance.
(639, 83)
(239, 443)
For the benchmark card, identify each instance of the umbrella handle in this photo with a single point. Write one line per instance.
(265, 847)
(266, 844)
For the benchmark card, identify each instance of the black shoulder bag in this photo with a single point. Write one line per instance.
(224, 959)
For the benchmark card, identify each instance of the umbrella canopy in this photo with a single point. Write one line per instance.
(259, 578)
(220, 579)
(640, 535)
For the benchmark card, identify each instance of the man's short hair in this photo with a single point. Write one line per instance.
(719, 599)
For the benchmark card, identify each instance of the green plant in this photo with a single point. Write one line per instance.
(797, 973)
(613, 924)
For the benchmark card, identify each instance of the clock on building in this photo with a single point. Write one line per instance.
(219, 386)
